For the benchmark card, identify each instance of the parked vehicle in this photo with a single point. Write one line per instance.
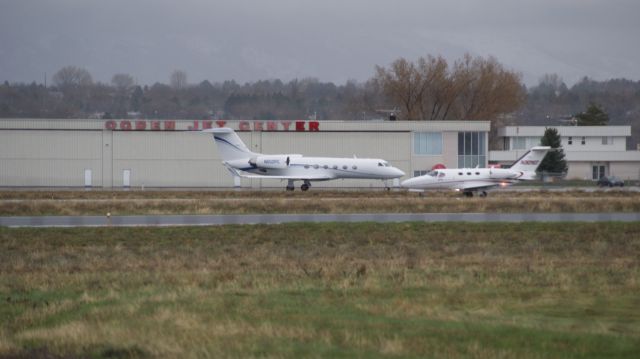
(610, 181)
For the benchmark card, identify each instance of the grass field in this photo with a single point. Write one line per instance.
(30, 203)
(322, 290)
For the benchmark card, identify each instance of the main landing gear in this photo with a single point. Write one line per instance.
(304, 187)
(470, 194)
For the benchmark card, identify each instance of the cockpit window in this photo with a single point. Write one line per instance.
(433, 173)
(379, 164)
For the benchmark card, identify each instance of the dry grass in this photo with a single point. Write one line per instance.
(198, 202)
(411, 289)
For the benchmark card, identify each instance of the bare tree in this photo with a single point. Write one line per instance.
(123, 82)
(76, 85)
(178, 79)
(474, 89)
(72, 76)
(404, 84)
(438, 95)
(124, 85)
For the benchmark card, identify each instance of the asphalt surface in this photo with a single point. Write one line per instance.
(208, 220)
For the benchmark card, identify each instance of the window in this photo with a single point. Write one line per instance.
(460, 173)
(354, 167)
(427, 143)
(570, 140)
(345, 167)
(519, 143)
(472, 149)
(335, 167)
(583, 141)
(315, 166)
(306, 166)
(325, 167)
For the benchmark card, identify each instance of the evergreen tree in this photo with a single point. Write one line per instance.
(554, 161)
(594, 116)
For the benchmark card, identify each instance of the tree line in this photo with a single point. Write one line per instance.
(428, 89)
(74, 94)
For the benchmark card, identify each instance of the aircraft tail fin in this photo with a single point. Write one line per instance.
(530, 161)
(230, 146)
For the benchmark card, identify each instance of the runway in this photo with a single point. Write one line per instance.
(209, 220)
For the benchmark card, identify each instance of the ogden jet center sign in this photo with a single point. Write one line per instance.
(172, 125)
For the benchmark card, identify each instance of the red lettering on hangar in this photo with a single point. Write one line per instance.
(170, 125)
(298, 126)
(140, 125)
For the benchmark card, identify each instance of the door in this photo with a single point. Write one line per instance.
(87, 178)
(126, 178)
(598, 171)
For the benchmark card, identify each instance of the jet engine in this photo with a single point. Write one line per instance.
(273, 161)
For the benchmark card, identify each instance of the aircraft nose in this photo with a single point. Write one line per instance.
(409, 183)
(398, 172)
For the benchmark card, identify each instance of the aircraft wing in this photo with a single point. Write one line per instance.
(312, 177)
(476, 185)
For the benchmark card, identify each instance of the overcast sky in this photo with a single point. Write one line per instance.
(332, 40)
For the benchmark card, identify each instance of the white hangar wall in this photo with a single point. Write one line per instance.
(108, 153)
(49, 158)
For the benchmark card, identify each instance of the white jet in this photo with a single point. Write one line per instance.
(294, 167)
(470, 180)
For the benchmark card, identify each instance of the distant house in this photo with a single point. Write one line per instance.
(591, 151)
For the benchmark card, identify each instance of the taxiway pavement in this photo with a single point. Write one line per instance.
(208, 220)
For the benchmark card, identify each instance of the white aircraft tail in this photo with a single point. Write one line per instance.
(230, 146)
(530, 161)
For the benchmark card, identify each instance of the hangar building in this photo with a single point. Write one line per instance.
(591, 152)
(173, 153)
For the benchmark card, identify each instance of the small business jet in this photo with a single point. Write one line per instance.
(470, 180)
(294, 167)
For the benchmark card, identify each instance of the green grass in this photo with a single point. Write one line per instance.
(323, 290)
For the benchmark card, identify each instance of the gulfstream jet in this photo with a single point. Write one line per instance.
(470, 180)
(294, 167)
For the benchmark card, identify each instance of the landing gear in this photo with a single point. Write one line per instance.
(305, 186)
(470, 194)
(290, 186)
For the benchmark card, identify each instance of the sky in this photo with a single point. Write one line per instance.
(331, 40)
